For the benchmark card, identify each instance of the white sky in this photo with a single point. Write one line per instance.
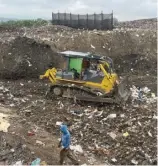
(123, 9)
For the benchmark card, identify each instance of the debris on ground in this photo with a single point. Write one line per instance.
(4, 124)
(128, 131)
(40, 143)
(76, 148)
(36, 162)
(13, 151)
(109, 135)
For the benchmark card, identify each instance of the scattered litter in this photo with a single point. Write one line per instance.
(122, 115)
(43, 163)
(113, 159)
(40, 143)
(30, 133)
(76, 148)
(59, 123)
(99, 94)
(93, 128)
(12, 105)
(101, 112)
(29, 63)
(92, 46)
(36, 162)
(18, 163)
(155, 117)
(146, 90)
(61, 105)
(27, 111)
(139, 123)
(21, 84)
(134, 162)
(112, 135)
(12, 150)
(111, 116)
(149, 133)
(125, 134)
(4, 124)
(153, 95)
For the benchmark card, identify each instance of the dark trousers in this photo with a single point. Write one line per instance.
(67, 153)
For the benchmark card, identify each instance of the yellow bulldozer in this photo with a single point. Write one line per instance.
(87, 77)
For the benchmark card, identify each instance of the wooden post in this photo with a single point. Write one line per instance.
(65, 18)
(95, 21)
(70, 20)
(87, 21)
(102, 20)
(52, 17)
(112, 20)
(58, 19)
(78, 20)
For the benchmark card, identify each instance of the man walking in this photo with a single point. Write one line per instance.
(65, 143)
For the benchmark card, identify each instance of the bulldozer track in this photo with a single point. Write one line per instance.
(79, 93)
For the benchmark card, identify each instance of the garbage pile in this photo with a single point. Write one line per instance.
(13, 151)
(111, 134)
(124, 41)
(141, 24)
(20, 57)
(121, 135)
(20, 49)
(106, 135)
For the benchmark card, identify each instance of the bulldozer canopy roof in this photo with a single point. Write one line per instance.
(76, 54)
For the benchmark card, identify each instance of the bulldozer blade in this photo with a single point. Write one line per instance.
(123, 91)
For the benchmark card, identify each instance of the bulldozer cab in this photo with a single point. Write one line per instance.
(84, 66)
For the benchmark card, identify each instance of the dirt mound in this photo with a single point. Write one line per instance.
(131, 50)
(141, 24)
(135, 64)
(117, 44)
(24, 57)
(111, 43)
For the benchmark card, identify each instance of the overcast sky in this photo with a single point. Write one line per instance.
(123, 9)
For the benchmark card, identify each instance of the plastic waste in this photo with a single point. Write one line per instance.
(111, 116)
(40, 143)
(125, 134)
(18, 163)
(134, 161)
(4, 124)
(43, 163)
(59, 123)
(112, 135)
(30, 133)
(153, 95)
(76, 148)
(113, 159)
(36, 162)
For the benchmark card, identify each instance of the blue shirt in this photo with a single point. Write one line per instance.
(65, 140)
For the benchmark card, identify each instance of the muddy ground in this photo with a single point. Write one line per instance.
(109, 134)
(100, 137)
